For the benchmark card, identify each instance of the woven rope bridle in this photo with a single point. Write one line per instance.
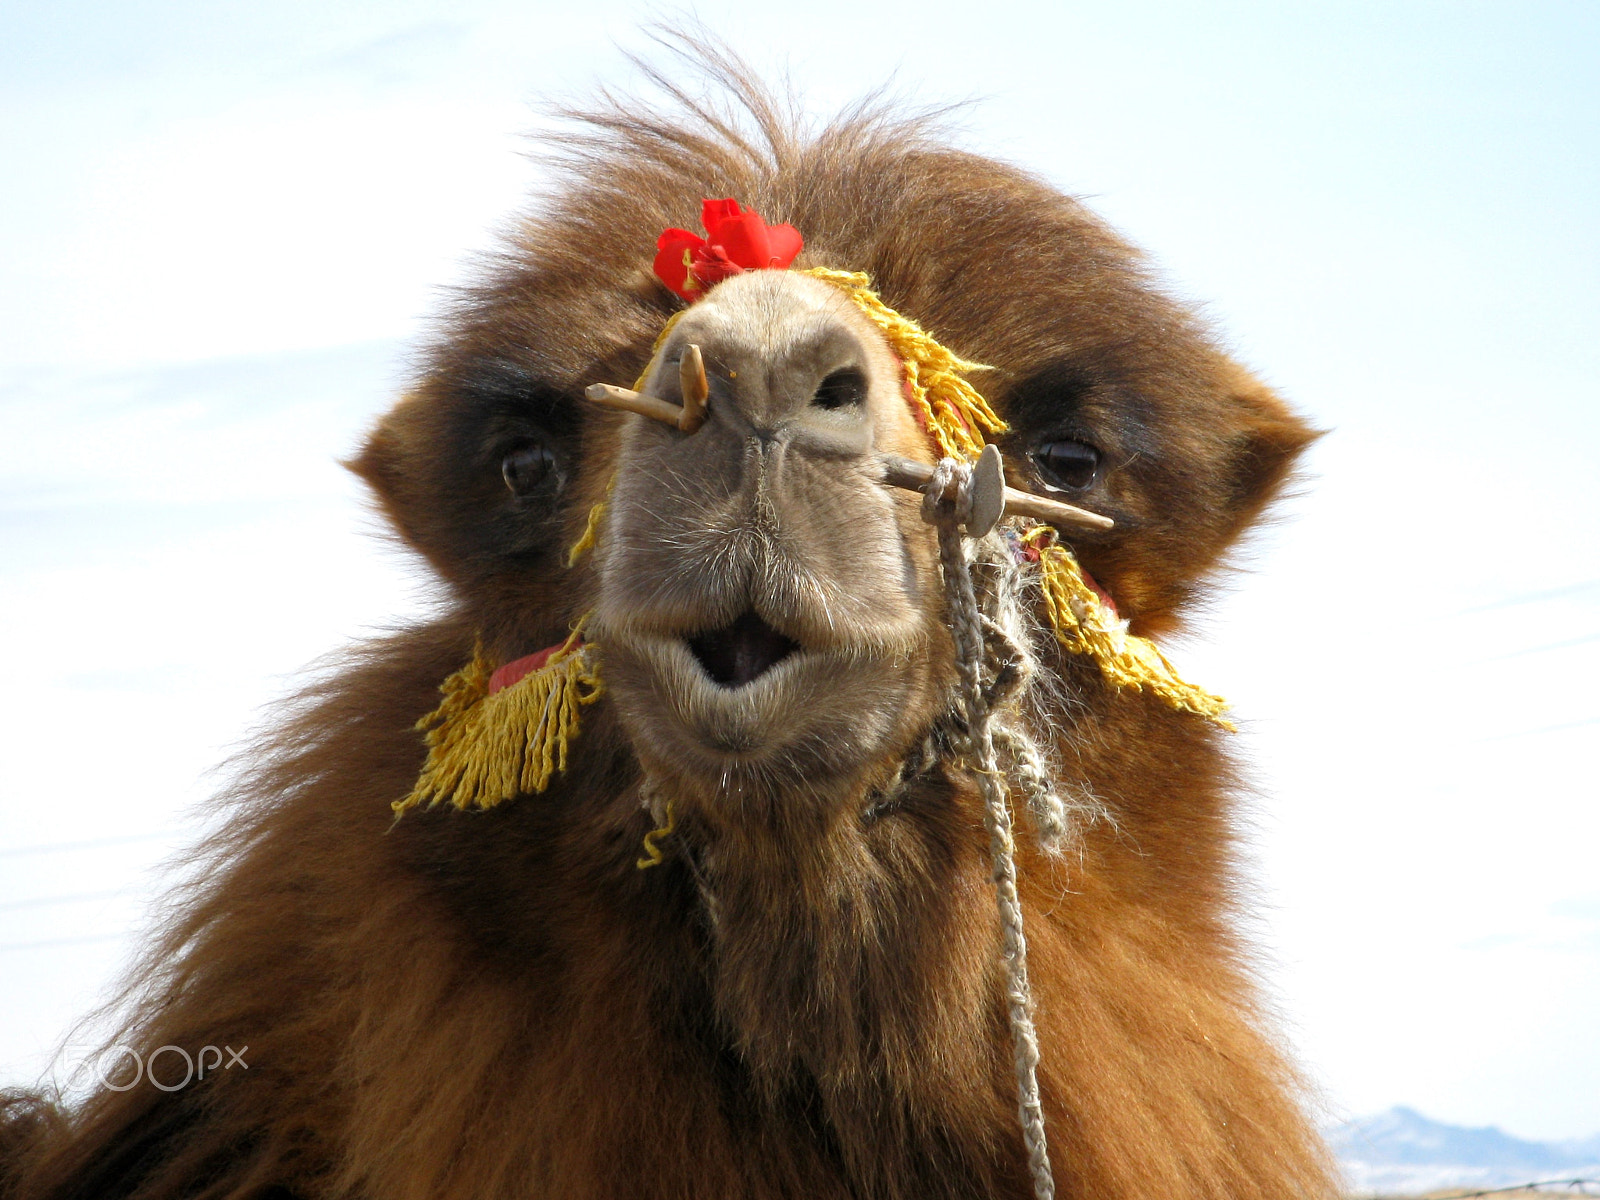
(947, 505)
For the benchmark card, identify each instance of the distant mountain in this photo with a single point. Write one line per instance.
(1402, 1152)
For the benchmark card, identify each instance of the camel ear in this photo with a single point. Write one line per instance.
(1269, 441)
(399, 476)
(1229, 457)
(435, 465)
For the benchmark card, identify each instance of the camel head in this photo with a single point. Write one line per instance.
(762, 606)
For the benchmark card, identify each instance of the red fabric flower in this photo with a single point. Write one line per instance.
(735, 241)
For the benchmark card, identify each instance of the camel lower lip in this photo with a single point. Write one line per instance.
(741, 652)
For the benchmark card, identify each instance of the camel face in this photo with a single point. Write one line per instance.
(769, 609)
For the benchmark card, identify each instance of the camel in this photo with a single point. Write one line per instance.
(663, 861)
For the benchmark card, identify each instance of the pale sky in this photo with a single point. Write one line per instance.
(221, 225)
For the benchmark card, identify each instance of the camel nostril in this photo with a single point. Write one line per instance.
(741, 652)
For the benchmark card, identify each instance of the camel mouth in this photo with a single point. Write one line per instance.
(741, 652)
(748, 705)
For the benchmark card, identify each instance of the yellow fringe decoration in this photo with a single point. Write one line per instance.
(652, 852)
(957, 418)
(1084, 625)
(484, 749)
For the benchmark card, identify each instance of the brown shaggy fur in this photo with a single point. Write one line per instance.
(500, 1005)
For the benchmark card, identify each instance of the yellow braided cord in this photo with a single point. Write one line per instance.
(1084, 625)
(653, 856)
(484, 749)
(957, 418)
(591, 528)
(655, 349)
(652, 852)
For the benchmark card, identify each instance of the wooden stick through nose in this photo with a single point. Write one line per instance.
(688, 416)
(610, 396)
(914, 476)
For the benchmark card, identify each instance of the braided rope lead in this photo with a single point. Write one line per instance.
(946, 504)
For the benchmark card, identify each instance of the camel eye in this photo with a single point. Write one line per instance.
(526, 467)
(1068, 465)
(842, 389)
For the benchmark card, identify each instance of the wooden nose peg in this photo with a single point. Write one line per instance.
(696, 390)
(688, 416)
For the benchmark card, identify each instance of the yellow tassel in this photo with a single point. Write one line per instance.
(484, 749)
(1084, 625)
(652, 852)
(958, 419)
